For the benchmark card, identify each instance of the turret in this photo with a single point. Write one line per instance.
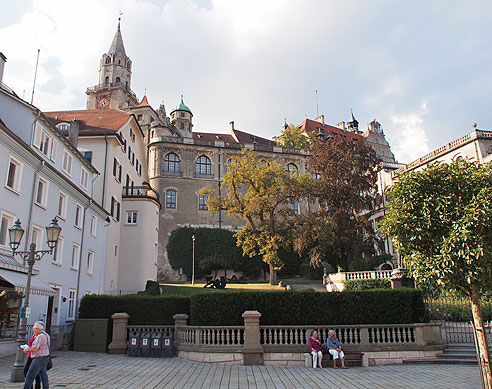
(182, 119)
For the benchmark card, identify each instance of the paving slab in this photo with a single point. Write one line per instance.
(93, 370)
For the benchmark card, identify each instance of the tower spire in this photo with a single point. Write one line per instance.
(117, 46)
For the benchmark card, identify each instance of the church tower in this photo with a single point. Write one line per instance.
(115, 74)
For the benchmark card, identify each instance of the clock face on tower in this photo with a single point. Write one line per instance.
(103, 102)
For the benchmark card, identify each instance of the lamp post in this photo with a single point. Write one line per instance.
(193, 261)
(15, 235)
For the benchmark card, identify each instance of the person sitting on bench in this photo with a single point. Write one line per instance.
(315, 349)
(335, 349)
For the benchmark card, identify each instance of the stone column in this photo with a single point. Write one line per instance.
(180, 320)
(252, 349)
(118, 345)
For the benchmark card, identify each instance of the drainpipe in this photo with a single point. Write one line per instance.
(80, 258)
(104, 174)
(220, 211)
(29, 219)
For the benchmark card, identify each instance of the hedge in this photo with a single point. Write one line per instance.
(380, 283)
(302, 308)
(143, 309)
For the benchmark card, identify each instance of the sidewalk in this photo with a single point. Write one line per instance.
(93, 370)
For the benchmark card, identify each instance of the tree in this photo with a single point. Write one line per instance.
(293, 136)
(440, 220)
(344, 174)
(260, 193)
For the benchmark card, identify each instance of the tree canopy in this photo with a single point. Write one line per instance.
(344, 175)
(294, 136)
(261, 193)
(440, 220)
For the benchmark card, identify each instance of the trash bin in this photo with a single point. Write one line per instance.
(145, 344)
(167, 344)
(156, 344)
(133, 342)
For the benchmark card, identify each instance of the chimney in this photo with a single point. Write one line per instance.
(73, 132)
(321, 119)
(231, 124)
(3, 59)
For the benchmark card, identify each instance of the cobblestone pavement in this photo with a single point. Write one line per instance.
(93, 370)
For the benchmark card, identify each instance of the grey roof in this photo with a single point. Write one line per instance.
(117, 46)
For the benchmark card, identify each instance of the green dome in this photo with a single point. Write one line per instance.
(181, 107)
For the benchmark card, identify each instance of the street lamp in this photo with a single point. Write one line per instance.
(193, 261)
(15, 235)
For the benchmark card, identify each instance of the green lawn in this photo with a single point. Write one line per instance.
(189, 290)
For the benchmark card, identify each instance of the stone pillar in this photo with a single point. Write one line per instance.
(252, 349)
(118, 345)
(180, 320)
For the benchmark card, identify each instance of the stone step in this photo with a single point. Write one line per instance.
(457, 356)
(440, 361)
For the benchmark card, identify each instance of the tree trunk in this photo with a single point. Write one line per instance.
(483, 347)
(273, 274)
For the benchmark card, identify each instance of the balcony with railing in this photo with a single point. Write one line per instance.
(107, 85)
(144, 192)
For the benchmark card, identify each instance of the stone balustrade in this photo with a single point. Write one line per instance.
(334, 282)
(255, 344)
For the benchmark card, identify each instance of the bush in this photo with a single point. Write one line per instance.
(309, 272)
(303, 308)
(143, 309)
(291, 262)
(213, 246)
(359, 285)
(152, 288)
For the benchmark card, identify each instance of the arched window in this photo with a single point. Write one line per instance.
(63, 126)
(117, 79)
(108, 60)
(106, 80)
(203, 165)
(291, 168)
(202, 202)
(171, 199)
(171, 163)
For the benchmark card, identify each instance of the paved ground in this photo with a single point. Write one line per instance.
(91, 370)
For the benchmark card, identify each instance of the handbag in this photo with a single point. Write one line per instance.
(50, 364)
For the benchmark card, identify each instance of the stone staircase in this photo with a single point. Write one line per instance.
(454, 353)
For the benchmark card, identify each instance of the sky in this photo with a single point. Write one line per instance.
(422, 68)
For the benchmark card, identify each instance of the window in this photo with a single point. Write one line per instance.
(41, 193)
(182, 126)
(108, 61)
(58, 252)
(90, 262)
(132, 136)
(67, 162)
(291, 168)
(133, 158)
(124, 145)
(171, 163)
(202, 202)
(117, 78)
(45, 143)
(156, 253)
(139, 117)
(140, 170)
(87, 155)
(131, 217)
(6, 223)
(62, 205)
(13, 174)
(157, 220)
(294, 205)
(129, 152)
(115, 209)
(171, 199)
(115, 250)
(93, 225)
(63, 126)
(84, 178)
(137, 164)
(78, 216)
(182, 115)
(75, 257)
(37, 236)
(116, 170)
(71, 305)
(203, 165)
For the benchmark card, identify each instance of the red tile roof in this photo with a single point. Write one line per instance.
(144, 102)
(309, 125)
(92, 122)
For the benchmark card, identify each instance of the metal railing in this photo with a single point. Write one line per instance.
(111, 84)
(140, 191)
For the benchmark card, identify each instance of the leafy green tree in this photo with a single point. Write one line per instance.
(294, 136)
(440, 220)
(260, 193)
(338, 232)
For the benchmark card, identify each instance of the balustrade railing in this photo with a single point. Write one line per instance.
(224, 336)
(366, 275)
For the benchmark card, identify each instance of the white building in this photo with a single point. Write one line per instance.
(42, 176)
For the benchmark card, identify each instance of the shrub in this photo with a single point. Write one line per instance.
(353, 307)
(143, 309)
(152, 288)
(213, 246)
(359, 285)
(309, 272)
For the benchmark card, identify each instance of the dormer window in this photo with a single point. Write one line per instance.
(63, 126)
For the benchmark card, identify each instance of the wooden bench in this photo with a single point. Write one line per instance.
(352, 359)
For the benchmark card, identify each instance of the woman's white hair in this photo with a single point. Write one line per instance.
(38, 324)
(331, 332)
